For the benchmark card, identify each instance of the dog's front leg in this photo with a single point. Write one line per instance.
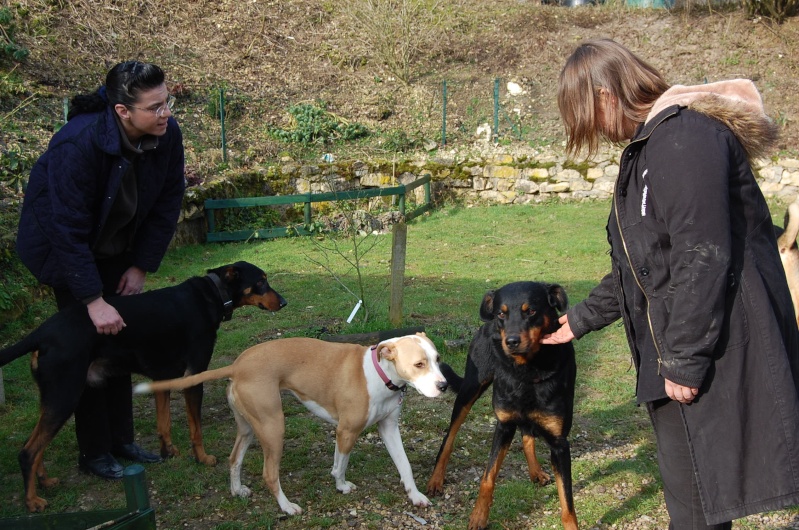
(345, 441)
(561, 466)
(390, 434)
(503, 435)
(194, 402)
(163, 420)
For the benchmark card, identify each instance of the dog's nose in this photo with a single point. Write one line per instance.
(282, 301)
(513, 341)
(442, 386)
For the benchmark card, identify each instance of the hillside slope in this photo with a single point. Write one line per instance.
(271, 54)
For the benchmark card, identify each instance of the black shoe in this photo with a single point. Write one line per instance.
(134, 452)
(103, 465)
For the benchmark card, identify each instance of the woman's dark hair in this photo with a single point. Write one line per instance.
(123, 84)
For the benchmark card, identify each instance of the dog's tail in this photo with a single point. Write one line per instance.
(454, 381)
(183, 383)
(27, 345)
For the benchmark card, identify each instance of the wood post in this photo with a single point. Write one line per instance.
(398, 249)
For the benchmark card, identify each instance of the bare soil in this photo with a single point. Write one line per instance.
(270, 54)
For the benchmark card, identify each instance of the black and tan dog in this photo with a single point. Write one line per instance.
(169, 332)
(533, 390)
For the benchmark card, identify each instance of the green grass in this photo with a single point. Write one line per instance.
(454, 256)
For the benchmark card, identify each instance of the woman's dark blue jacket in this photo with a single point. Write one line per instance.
(70, 193)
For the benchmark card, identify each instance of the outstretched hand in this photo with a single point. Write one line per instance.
(562, 335)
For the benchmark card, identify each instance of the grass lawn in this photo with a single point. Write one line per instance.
(454, 256)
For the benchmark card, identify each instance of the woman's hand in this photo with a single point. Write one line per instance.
(105, 317)
(562, 335)
(131, 282)
(683, 394)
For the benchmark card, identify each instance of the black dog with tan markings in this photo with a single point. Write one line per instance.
(533, 390)
(169, 332)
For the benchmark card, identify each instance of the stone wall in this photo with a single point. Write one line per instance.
(470, 177)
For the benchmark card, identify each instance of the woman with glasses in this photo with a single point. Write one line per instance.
(100, 210)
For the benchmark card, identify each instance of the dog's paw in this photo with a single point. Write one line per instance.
(169, 451)
(36, 504)
(209, 460)
(418, 498)
(541, 477)
(290, 508)
(345, 487)
(48, 482)
(240, 491)
(435, 487)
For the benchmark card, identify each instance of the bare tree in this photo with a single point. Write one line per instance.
(394, 31)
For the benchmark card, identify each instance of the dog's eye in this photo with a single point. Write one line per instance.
(419, 365)
(530, 312)
(501, 315)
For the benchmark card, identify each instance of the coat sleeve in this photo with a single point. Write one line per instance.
(689, 167)
(73, 193)
(157, 228)
(600, 309)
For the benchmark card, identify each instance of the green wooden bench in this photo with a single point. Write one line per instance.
(212, 205)
(137, 515)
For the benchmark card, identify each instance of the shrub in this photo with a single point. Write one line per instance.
(314, 124)
(777, 10)
(10, 49)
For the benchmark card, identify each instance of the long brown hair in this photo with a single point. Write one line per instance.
(631, 84)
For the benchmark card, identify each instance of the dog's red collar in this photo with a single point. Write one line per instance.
(227, 303)
(382, 374)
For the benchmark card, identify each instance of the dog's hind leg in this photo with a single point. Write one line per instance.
(469, 393)
(537, 473)
(58, 398)
(259, 404)
(244, 436)
(32, 454)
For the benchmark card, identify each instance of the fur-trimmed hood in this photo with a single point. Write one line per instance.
(736, 103)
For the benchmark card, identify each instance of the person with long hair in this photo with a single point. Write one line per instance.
(99, 212)
(696, 279)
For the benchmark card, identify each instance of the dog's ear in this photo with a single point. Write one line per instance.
(557, 297)
(487, 307)
(387, 350)
(230, 273)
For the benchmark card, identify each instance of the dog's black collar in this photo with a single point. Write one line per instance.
(227, 303)
(382, 374)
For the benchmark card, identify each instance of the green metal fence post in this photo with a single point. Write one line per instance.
(135, 488)
(495, 135)
(444, 113)
(222, 122)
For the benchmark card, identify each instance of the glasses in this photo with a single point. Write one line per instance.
(159, 112)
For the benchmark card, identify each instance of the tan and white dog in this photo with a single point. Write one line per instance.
(349, 385)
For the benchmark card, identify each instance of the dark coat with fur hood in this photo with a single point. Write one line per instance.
(697, 280)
